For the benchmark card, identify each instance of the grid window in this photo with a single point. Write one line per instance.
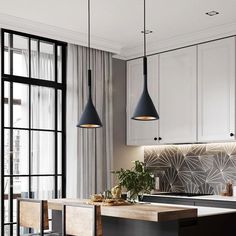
(33, 121)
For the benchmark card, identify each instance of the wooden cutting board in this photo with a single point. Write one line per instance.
(115, 203)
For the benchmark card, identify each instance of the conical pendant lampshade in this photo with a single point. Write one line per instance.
(89, 117)
(145, 109)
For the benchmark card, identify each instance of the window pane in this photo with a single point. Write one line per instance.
(20, 153)
(20, 190)
(59, 187)
(47, 58)
(59, 64)
(59, 153)
(6, 200)
(7, 230)
(59, 110)
(6, 54)
(43, 187)
(21, 187)
(7, 152)
(6, 104)
(20, 56)
(43, 152)
(42, 107)
(34, 58)
(20, 105)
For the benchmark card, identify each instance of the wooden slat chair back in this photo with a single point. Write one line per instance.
(82, 220)
(33, 214)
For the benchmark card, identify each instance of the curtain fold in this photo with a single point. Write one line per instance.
(89, 151)
(42, 117)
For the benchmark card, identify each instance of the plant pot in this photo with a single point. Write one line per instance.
(134, 197)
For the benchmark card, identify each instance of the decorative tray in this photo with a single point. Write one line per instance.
(109, 202)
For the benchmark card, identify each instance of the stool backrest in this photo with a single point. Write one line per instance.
(32, 214)
(82, 220)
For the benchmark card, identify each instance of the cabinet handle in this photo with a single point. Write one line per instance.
(231, 134)
(160, 138)
(155, 138)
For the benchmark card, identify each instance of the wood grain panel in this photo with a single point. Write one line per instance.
(83, 220)
(30, 214)
(147, 212)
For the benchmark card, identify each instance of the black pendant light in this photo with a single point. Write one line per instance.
(89, 117)
(145, 109)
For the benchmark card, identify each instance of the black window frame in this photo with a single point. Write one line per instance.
(31, 82)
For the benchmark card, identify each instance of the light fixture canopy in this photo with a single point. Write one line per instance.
(145, 109)
(212, 13)
(89, 117)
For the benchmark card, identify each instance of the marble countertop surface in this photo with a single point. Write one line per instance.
(203, 211)
(205, 197)
(216, 197)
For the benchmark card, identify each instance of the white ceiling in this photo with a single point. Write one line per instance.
(118, 22)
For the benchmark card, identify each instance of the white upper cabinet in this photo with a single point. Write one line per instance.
(193, 89)
(178, 96)
(216, 90)
(141, 132)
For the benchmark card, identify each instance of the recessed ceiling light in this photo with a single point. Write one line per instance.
(212, 13)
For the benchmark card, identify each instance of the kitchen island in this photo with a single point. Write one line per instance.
(157, 219)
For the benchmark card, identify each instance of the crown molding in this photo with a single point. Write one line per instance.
(221, 31)
(119, 50)
(49, 31)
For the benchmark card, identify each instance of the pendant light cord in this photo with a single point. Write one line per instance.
(144, 27)
(89, 32)
(144, 47)
(89, 52)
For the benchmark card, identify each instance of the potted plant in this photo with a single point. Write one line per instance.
(137, 181)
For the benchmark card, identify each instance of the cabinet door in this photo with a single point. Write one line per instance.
(141, 132)
(216, 90)
(178, 88)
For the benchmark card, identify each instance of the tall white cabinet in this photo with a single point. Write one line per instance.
(216, 90)
(178, 95)
(141, 132)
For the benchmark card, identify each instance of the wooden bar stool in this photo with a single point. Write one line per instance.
(81, 220)
(33, 214)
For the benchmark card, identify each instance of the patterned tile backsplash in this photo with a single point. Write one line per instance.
(197, 168)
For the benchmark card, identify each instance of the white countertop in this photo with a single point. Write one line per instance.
(206, 197)
(202, 211)
(216, 197)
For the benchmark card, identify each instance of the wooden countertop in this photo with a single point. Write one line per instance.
(137, 211)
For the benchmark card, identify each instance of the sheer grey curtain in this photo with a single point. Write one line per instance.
(89, 151)
(42, 116)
